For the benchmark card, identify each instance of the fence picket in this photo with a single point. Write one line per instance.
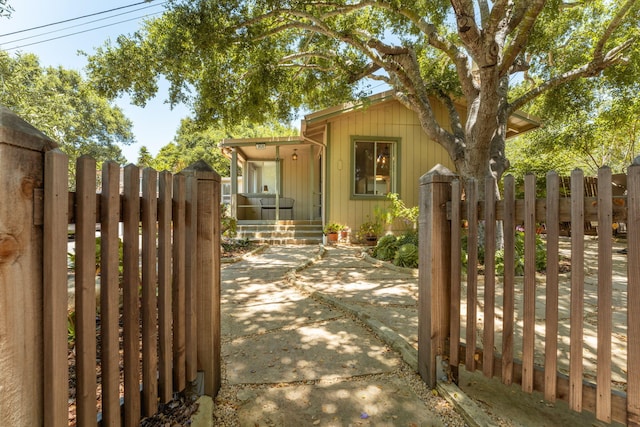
(529, 299)
(109, 293)
(472, 273)
(456, 278)
(55, 289)
(149, 296)
(577, 290)
(489, 275)
(164, 287)
(191, 324)
(131, 282)
(633, 296)
(605, 292)
(508, 311)
(85, 306)
(178, 286)
(551, 305)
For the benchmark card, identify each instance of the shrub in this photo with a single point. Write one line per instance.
(407, 256)
(398, 210)
(386, 248)
(410, 236)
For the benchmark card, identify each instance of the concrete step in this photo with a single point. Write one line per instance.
(282, 232)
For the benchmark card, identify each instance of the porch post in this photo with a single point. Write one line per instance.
(434, 280)
(312, 184)
(234, 183)
(278, 169)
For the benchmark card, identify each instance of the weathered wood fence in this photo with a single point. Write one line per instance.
(529, 328)
(159, 316)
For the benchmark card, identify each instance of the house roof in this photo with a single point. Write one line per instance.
(313, 128)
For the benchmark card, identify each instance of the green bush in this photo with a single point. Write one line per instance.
(398, 210)
(410, 236)
(407, 256)
(386, 248)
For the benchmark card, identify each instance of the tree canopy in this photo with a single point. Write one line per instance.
(64, 106)
(251, 59)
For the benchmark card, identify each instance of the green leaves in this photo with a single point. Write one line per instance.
(239, 61)
(64, 106)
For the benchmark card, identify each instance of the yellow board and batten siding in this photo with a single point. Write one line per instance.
(417, 154)
(295, 181)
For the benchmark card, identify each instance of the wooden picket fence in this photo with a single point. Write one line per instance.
(158, 304)
(450, 300)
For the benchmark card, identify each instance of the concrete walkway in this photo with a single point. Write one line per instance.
(315, 336)
(290, 358)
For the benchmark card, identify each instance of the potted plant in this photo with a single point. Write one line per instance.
(331, 230)
(369, 232)
(344, 234)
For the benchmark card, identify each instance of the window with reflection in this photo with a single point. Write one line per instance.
(374, 167)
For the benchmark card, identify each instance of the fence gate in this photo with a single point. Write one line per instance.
(150, 240)
(548, 330)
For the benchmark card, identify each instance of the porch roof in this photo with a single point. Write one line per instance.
(262, 148)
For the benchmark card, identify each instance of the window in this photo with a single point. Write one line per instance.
(374, 163)
(261, 177)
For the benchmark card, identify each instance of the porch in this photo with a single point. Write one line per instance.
(275, 179)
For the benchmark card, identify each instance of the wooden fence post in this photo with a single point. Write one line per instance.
(208, 274)
(22, 149)
(434, 280)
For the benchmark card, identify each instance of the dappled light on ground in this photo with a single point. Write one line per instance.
(292, 358)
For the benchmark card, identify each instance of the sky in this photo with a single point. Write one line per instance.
(155, 125)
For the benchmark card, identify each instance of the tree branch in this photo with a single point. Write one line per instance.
(467, 28)
(485, 12)
(613, 25)
(592, 69)
(454, 117)
(528, 19)
(308, 55)
(501, 8)
(366, 72)
(436, 132)
(435, 40)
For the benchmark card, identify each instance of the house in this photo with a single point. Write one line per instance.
(339, 169)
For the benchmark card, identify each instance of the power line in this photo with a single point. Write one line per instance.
(80, 25)
(80, 32)
(73, 19)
